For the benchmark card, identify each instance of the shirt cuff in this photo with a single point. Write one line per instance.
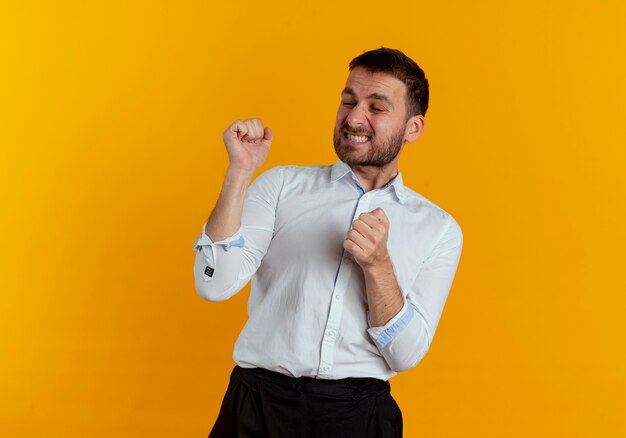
(385, 334)
(234, 240)
(207, 246)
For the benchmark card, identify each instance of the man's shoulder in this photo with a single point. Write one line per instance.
(292, 176)
(300, 168)
(300, 171)
(416, 200)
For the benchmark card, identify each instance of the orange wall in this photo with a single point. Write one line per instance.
(112, 159)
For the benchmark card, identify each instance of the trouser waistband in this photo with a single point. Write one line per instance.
(346, 386)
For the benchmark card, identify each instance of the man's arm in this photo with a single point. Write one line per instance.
(247, 143)
(225, 219)
(402, 323)
(367, 242)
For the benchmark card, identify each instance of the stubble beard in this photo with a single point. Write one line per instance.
(377, 156)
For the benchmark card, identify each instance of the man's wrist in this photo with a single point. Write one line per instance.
(380, 267)
(237, 173)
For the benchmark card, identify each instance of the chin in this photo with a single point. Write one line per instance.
(345, 155)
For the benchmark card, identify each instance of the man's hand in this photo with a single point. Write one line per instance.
(367, 239)
(247, 143)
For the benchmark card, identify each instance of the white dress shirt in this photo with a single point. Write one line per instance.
(307, 311)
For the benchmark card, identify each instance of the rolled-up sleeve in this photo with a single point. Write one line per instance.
(406, 338)
(224, 267)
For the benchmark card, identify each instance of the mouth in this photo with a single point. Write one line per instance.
(356, 139)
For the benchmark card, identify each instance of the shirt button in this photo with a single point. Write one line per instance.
(324, 369)
(337, 296)
(330, 333)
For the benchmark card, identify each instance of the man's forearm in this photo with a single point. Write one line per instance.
(225, 219)
(384, 296)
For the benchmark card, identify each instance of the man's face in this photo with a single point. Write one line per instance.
(371, 119)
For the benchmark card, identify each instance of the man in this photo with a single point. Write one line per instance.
(350, 268)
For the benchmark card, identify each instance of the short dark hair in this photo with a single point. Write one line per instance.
(397, 64)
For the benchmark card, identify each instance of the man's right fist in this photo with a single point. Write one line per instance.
(247, 143)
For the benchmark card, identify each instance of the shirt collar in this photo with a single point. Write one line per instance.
(341, 169)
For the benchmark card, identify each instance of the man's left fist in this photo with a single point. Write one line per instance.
(367, 239)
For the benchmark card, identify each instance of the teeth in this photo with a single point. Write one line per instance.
(357, 138)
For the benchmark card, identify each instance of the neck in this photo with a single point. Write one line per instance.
(372, 178)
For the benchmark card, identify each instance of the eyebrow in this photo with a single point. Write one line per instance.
(376, 96)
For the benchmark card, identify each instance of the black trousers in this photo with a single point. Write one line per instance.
(264, 404)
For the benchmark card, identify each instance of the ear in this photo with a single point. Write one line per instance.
(414, 128)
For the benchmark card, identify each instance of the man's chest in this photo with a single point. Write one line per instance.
(310, 229)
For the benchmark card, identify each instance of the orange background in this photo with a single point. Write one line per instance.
(112, 159)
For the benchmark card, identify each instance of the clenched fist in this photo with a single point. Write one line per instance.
(367, 239)
(247, 143)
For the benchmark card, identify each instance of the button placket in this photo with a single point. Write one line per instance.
(336, 304)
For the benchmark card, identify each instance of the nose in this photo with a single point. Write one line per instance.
(356, 116)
